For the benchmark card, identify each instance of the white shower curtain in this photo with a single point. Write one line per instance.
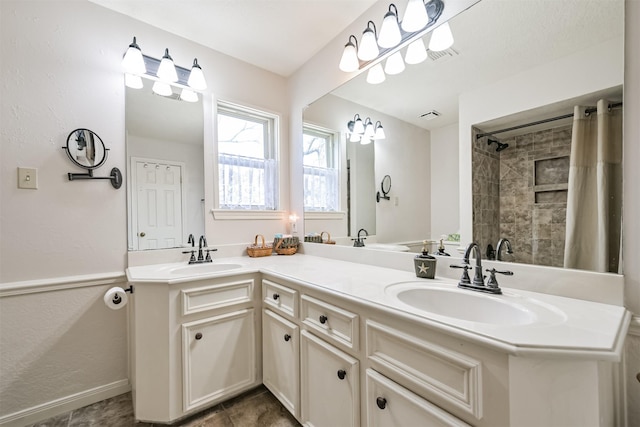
(594, 198)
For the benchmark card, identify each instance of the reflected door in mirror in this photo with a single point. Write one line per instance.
(158, 205)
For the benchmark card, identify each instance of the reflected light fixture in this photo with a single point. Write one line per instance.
(356, 126)
(394, 64)
(196, 77)
(415, 16)
(188, 95)
(416, 52)
(133, 81)
(365, 141)
(133, 62)
(441, 38)
(379, 134)
(376, 74)
(355, 137)
(369, 132)
(368, 49)
(167, 69)
(162, 88)
(349, 61)
(390, 29)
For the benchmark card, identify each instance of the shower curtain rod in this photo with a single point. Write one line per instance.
(539, 122)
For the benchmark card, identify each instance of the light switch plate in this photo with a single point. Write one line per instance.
(28, 178)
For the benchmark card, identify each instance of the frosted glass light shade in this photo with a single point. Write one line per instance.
(167, 69)
(162, 89)
(389, 31)
(379, 131)
(134, 82)
(415, 16)
(188, 95)
(358, 127)
(196, 77)
(441, 38)
(368, 49)
(133, 62)
(354, 137)
(369, 132)
(394, 64)
(349, 61)
(376, 74)
(365, 141)
(416, 52)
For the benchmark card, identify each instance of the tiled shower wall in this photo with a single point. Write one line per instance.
(512, 200)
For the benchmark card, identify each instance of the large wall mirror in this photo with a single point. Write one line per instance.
(563, 54)
(165, 189)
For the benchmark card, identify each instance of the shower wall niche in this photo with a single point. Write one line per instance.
(520, 193)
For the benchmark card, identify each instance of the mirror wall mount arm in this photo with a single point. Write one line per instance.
(115, 177)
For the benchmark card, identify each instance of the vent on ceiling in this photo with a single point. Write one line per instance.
(443, 54)
(430, 115)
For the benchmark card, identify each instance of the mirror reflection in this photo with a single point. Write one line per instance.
(165, 195)
(86, 149)
(525, 62)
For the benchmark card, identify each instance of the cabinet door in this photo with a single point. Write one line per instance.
(218, 357)
(330, 384)
(280, 359)
(389, 404)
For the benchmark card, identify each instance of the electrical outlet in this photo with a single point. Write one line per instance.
(28, 178)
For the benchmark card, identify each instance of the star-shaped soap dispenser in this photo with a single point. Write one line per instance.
(424, 263)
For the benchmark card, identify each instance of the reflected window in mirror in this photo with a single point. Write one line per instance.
(247, 158)
(321, 169)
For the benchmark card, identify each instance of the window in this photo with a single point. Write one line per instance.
(321, 176)
(247, 158)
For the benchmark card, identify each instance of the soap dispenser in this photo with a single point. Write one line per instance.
(441, 249)
(424, 263)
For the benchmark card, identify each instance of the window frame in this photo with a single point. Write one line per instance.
(335, 163)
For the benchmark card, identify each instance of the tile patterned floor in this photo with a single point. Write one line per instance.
(255, 408)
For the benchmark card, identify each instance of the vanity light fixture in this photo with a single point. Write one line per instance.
(416, 52)
(375, 75)
(379, 131)
(355, 126)
(196, 77)
(441, 38)
(369, 132)
(394, 64)
(133, 62)
(415, 16)
(133, 81)
(162, 88)
(349, 61)
(364, 132)
(368, 49)
(167, 69)
(188, 95)
(390, 30)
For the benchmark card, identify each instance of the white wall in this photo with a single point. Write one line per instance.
(445, 203)
(60, 71)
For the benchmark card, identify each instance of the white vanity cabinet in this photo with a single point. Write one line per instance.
(194, 344)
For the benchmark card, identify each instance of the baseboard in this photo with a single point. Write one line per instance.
(65, 404)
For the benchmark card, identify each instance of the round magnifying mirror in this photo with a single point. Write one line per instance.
(386, 185)
(86, 149)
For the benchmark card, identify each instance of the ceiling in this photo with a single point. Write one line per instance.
(254, 31)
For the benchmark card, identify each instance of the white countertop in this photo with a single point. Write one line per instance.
(574, 328)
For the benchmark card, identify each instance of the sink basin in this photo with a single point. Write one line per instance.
(203, 269)
(474, 306)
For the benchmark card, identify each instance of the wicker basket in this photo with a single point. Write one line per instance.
(313, 239)
(286, 245)
(258, 250)
(328, 241)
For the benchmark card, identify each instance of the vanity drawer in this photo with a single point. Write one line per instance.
(212, 297)
(330, 321)
(280, 298)
(439, 374)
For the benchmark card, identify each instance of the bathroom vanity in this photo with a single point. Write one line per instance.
(342, 343)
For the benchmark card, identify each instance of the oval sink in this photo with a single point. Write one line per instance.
(203, 269)
(466, 306)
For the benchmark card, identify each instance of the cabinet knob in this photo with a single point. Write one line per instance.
(276, 296)
(287, 337)
(342, 373)
(323, 319)
(199, 336)
(381, 402)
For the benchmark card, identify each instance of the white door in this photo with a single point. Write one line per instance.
(158, 193)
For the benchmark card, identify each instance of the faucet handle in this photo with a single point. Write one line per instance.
(465, 279)
(493, 282)
(192, 259)
(208, 257)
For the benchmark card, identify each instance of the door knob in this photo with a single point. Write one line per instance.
(142, 234)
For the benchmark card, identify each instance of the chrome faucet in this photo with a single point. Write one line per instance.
(478, 279)
(503, 242)
(359, 242)
(191, 240)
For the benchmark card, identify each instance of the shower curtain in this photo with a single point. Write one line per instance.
(594, 198)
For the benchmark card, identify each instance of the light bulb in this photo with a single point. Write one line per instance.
(375, 74)
(394, 64)
(441, 38)
(133, 62)
(349, 61)
(188, 95)
(416, 52)
(390, 31)
(415, 16)
(368, 49)
(196, 77)
(134, 82)
(167, 69)
(162, 89)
